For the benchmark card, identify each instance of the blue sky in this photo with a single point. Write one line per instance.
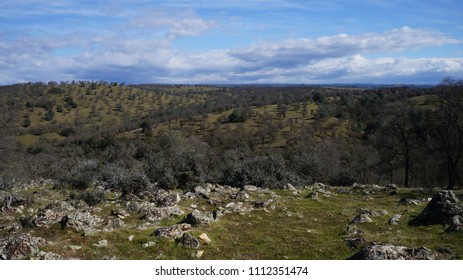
(254, 41)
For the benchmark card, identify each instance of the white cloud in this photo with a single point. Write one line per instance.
(177, 24)
(135, 59)
(299, 51)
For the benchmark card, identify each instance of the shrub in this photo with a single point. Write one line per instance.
(127, 181)
(342, 179)
(26, 122)
(268, 171)
(168, 182)
(82, 174)
(134, 182)
(92, 197)
(5, 184)
(238, 115)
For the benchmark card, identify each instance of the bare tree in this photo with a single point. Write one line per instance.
(448, 126)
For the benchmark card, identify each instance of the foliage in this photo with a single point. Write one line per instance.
(82, 174)
(92, 197)
(267, 171)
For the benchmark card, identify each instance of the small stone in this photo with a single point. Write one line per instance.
(101, 243)
(250, 188)
(46, 256)
(120, 213)
(131, 237)
(146, 226)
(74, 247)
(199, 254)
(409, 201)
(313, 195)
(149, 244)
(290, 187)
(395, 219)
(263, 203)
(362, 218)
(172, 232)
(204, 239)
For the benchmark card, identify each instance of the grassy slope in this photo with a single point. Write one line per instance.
(299, 228)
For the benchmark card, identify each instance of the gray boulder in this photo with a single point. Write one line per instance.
(456, 225)
(290, 187)
(165, 199)
(353, 230)
(313, 195)
(203, 191)
(237, 207)
(242, 195)
(101, 244)
(28, 221)
(20, 247)
(47, 256)
(440, 210)
(172, 232)
(112, 224)
(160, 213)
(392, 252)
(361, 218)
(372, 213)
(264, 203)
(394, 220)
(250, 188)
(198, 218)
(189, 241)
(409, 201)
(85, 221)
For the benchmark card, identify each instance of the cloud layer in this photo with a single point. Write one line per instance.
(142, 47)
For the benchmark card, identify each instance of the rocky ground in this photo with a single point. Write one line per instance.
(43, 220)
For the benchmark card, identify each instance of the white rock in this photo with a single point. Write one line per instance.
(74, 247)
(149, 244)
(101, 243)
(204, 239)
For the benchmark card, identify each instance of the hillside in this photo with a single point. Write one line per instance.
(332, 127)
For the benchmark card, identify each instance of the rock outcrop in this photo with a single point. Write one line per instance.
(440, 210)
(22, 246)
(392, 252)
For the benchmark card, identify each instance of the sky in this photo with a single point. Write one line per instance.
(231, 42)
